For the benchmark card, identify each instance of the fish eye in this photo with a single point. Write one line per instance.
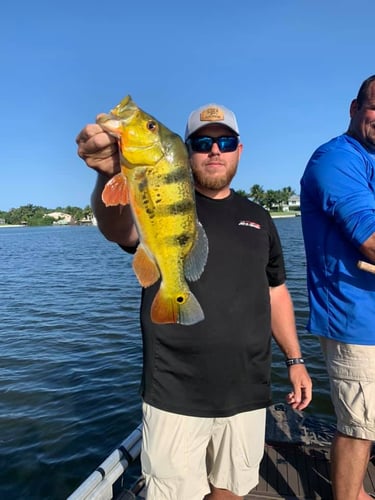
(151, 125)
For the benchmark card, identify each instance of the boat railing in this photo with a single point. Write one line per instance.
(99, 485)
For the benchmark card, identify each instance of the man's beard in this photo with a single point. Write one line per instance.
(214, 182)
(370, 137)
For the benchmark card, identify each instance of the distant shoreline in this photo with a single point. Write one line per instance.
(280, 216)
(274, 216)
(12, 225)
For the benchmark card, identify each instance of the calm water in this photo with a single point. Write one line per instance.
(70, 354)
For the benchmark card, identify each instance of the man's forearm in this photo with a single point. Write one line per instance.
(368, 248)
(283, 322)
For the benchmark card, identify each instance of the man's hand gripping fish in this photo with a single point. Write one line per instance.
(156, 181)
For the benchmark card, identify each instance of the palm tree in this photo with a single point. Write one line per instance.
(257, 194)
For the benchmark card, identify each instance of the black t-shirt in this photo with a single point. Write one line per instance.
(220, 366)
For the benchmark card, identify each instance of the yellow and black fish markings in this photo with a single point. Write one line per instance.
(156, 181)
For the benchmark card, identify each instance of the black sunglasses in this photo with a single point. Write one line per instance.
(203, 144)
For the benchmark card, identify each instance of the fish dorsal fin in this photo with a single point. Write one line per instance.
(115, 192)
(197, 258)
(145, 267)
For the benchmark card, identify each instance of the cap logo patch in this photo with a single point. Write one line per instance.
(212, 115)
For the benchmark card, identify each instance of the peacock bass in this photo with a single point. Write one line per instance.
(156, 181)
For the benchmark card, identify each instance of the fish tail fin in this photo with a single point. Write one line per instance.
(183, 308)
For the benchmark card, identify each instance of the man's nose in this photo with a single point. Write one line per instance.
(215, 150)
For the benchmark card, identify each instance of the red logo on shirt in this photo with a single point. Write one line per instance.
(249, 223)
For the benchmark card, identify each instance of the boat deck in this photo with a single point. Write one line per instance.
(292, 471)
(295, 465)
(296, 462)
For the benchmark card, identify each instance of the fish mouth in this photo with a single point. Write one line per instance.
(109, 123)
(124, 111)
(124, 108)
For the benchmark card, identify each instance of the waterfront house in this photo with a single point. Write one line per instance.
(61, 218)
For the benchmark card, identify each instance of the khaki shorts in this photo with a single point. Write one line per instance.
(351, 369)
(181, 455)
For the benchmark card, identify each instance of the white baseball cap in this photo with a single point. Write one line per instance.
(208, 115)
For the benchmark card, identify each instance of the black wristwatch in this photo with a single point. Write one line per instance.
(294, 361)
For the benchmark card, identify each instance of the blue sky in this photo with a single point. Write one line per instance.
(288, 68)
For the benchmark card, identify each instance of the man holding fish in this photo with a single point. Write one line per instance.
(211, 267)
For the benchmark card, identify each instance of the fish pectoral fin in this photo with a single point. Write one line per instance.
(182, 308)
(145, 268)
(115, 192)
(197, 258)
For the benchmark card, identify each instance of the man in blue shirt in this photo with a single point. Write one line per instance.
(338, 220)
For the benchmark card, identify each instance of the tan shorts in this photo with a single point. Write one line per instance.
(351, 369)
(181, 455)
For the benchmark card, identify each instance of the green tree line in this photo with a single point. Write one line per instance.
(32, 215)
(270, 199)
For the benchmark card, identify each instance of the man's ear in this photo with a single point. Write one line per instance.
(353, 107)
